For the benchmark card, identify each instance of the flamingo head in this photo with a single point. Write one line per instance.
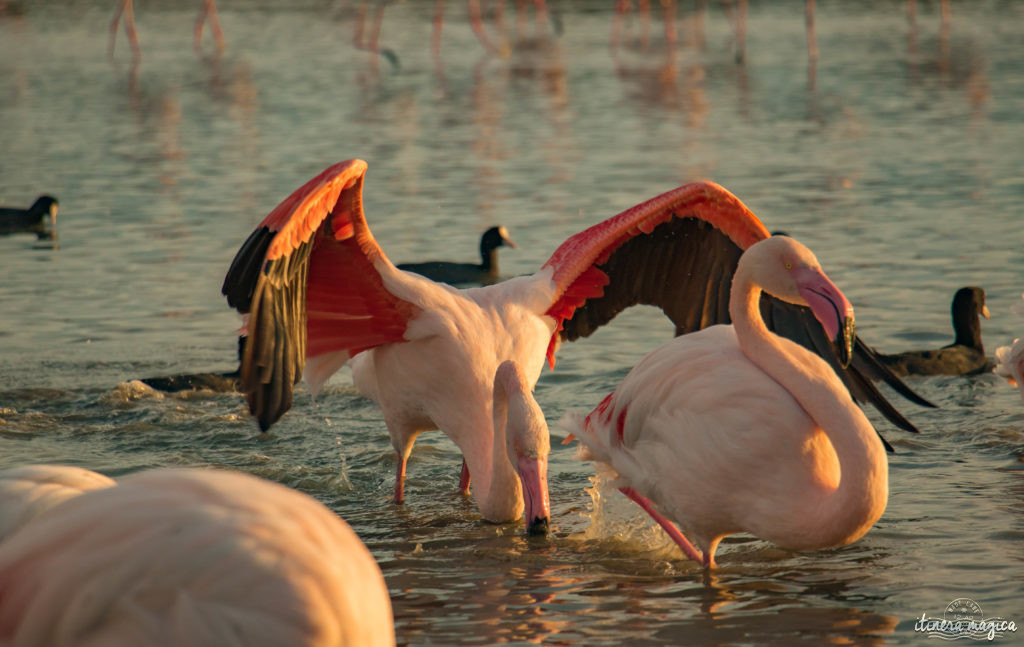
(789, 271)
(528, 443)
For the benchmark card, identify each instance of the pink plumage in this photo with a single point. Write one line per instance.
(191, 557)
(427, 353)
(1010, 359)
(735, 429)
(30, 490)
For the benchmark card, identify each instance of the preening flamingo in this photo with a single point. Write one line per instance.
(965, 356)
(1010, 359)
(317, 290)
(191, 557)
(28, 491)
(735, 429)
(486, 272)
(39, 219)
(208, 11)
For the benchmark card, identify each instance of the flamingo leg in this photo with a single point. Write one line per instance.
(671, 36)
(741, 31)
(477, 23)
(125, 8)
(464, 479)
(621, 7)
(670, 528)
(644, 12)
(812, 39)
(208, 11)
(435, 40)
(400, 479)
(540, 8)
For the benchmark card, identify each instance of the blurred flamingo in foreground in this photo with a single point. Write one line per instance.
(191, 557)
(28, 491)
(208, 11)
(735, 429)
(427, 353)
(1010, 359)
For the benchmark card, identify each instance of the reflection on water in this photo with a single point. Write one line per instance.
(890, 155)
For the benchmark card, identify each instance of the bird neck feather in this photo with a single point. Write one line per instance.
(846, 512)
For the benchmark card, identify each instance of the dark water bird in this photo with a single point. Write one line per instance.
(40, 218)
(456, 273)
(735, 429)
(428, 354)
(965, 356)
(216, 382)
(198, 557)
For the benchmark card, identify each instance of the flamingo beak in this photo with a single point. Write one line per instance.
(533, 473)
(830, 308)
(508, 242)
(985, 313)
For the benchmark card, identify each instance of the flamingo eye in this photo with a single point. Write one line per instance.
(789, 265)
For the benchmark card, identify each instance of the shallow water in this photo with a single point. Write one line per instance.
(898, 161)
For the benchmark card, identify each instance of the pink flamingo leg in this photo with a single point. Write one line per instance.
(464, 479)
(669, 527)
(400, 480)
(209, 10)
(741, 31)
(477, 23)
(125, 7)
(812, 39)
(435, 40)
(621, 7)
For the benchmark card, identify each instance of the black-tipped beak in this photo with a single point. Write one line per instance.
(844, 341)
(538, 527)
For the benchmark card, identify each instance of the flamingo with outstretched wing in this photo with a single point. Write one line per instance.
(317, 291)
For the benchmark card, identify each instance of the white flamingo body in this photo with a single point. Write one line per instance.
(191, 557)
(462, 335)
(1010, 358)
(734, 429)
(30, 490)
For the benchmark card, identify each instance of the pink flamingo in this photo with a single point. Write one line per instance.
(208, 11)
(317, 290)
(191, 557)
(28, 491)
(735, 429)
(1010, 359)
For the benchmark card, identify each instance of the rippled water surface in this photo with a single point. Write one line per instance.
(897, 158)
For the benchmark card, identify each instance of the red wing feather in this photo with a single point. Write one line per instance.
(577, 262)
(308, 272)
(678, 252)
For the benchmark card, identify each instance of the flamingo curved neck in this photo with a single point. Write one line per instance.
(846, 512)
(498, 490)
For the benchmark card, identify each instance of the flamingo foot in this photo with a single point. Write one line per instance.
(707, 560)
(464, 479)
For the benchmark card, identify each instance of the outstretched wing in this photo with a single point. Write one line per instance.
(678, 251)
(309, 274)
